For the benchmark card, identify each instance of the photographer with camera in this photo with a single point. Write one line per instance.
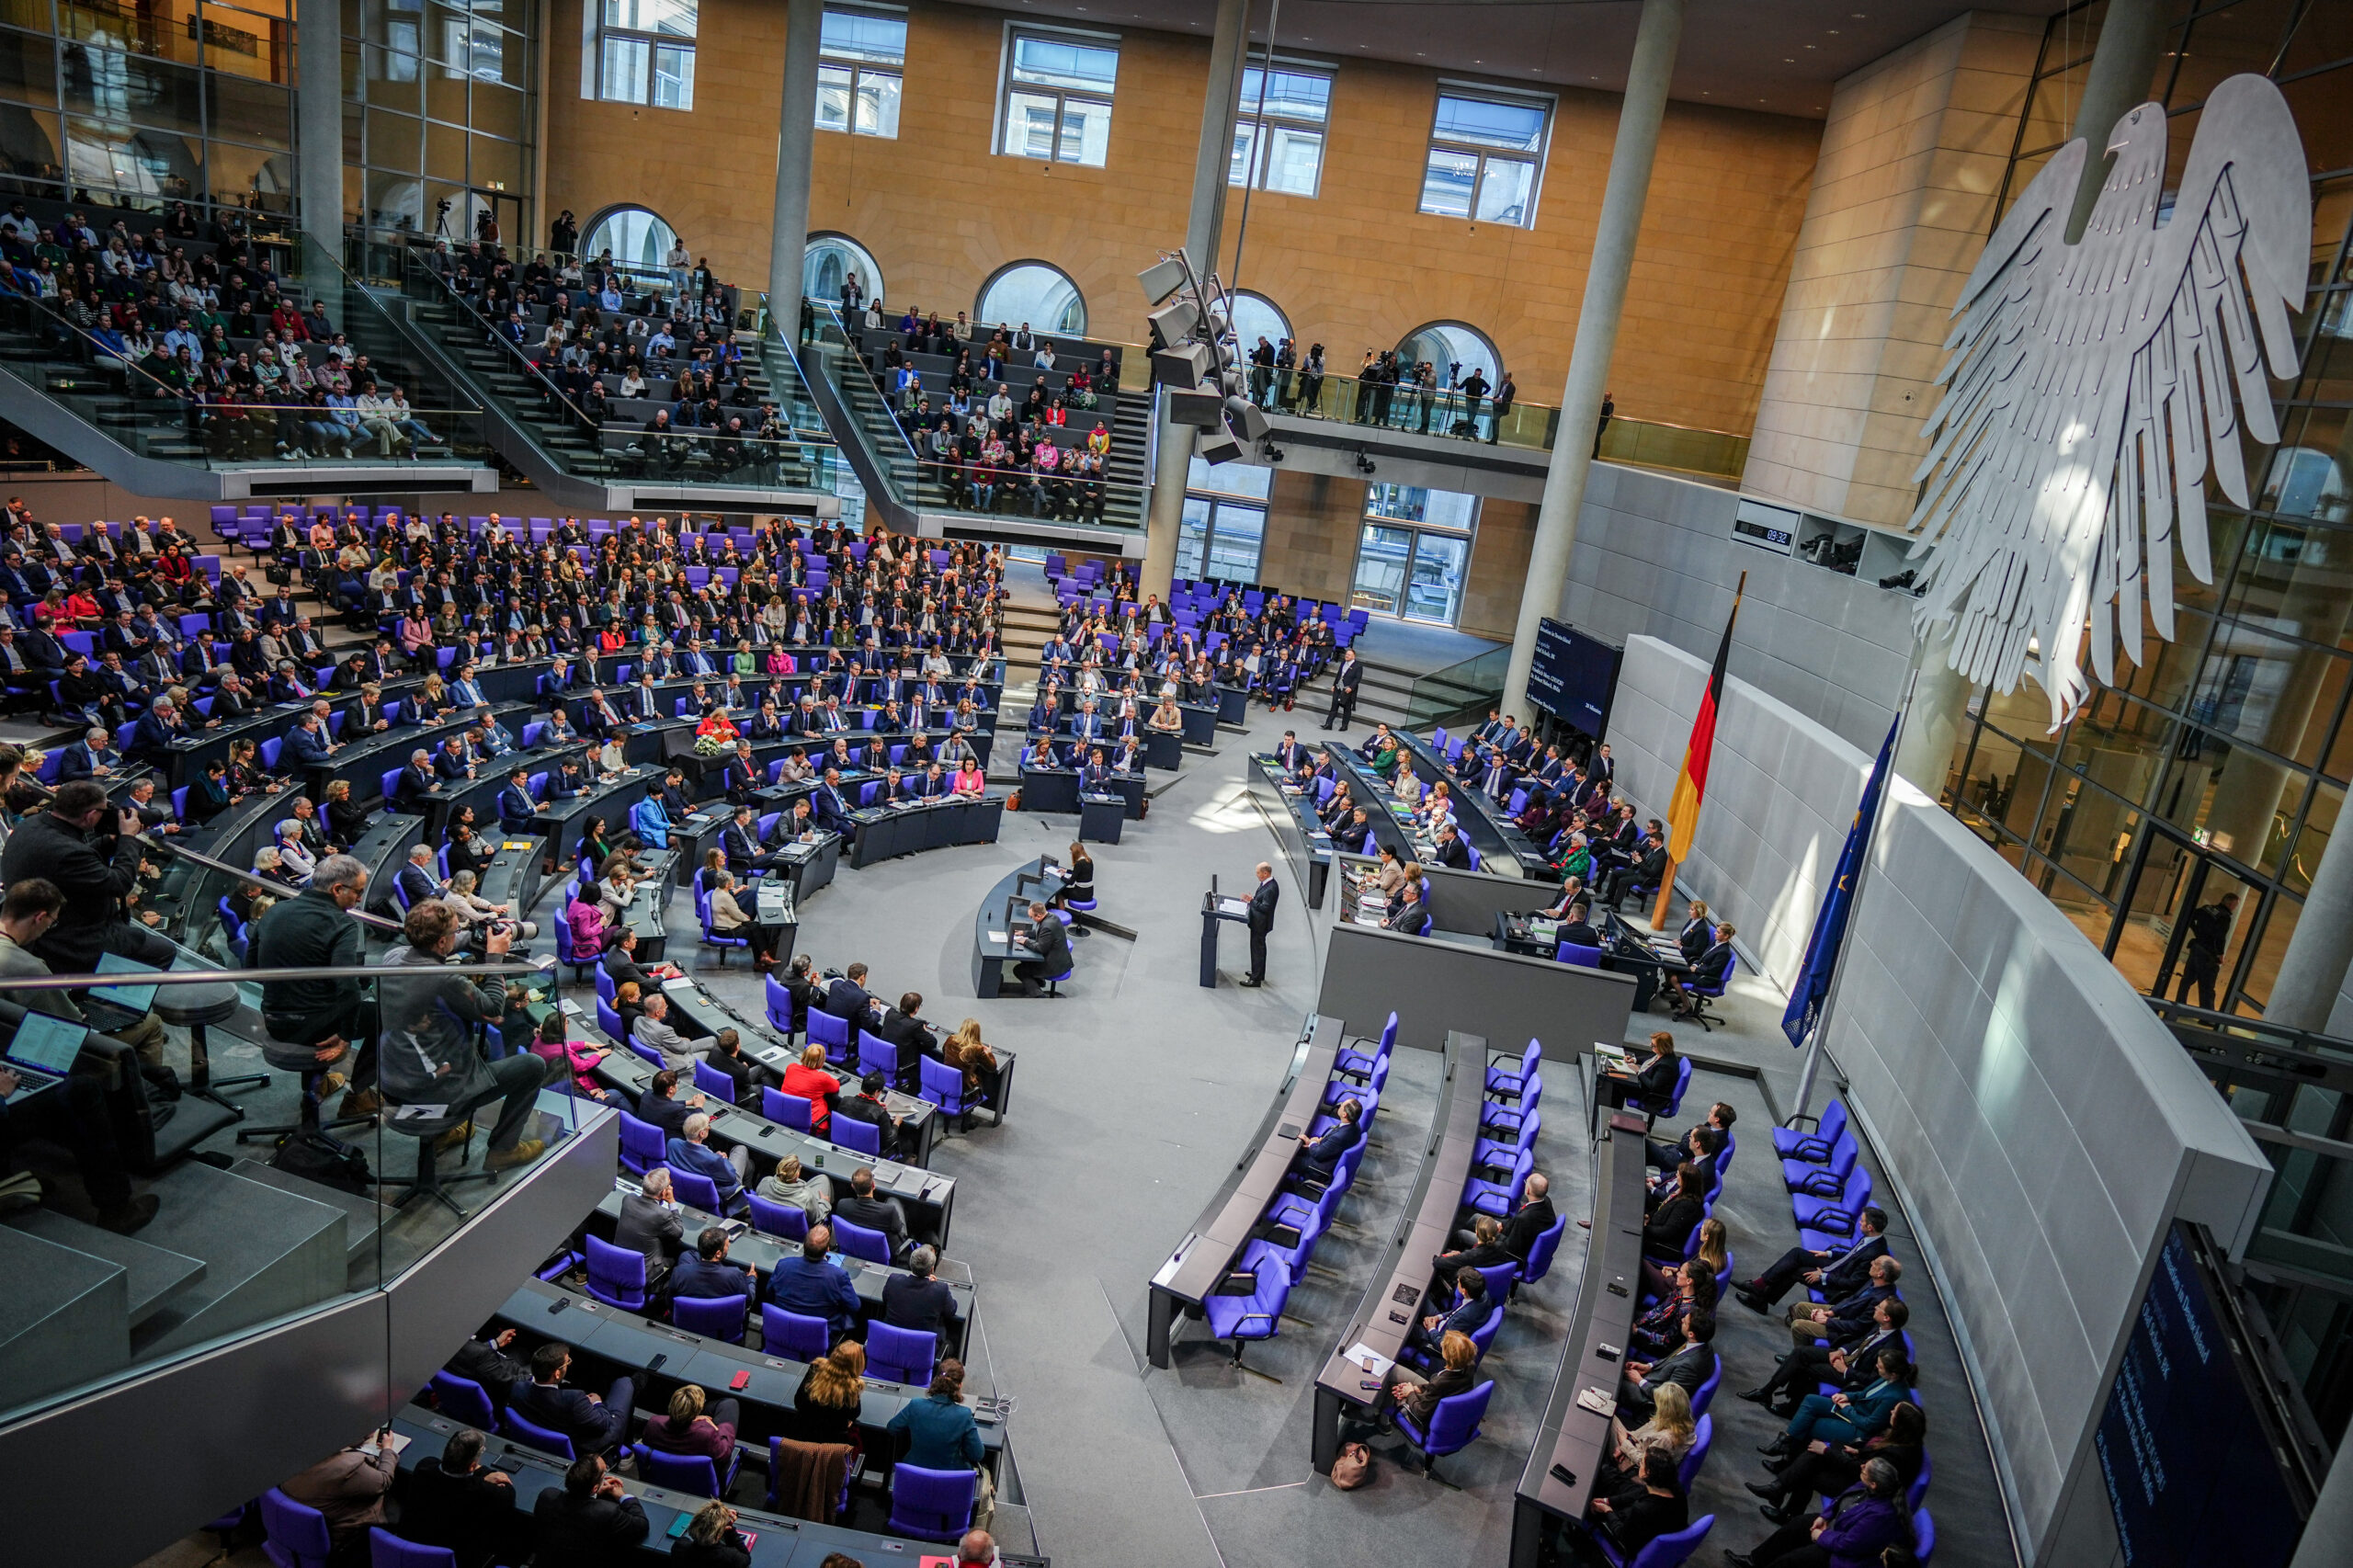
(426, 1053)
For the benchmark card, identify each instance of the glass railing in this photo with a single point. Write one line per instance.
(1469, 686)
(583, 445)
(138, 396)
(195, 1200)
(1443, 412)
(926, 474)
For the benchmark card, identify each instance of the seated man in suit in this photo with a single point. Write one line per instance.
(1852, 1364)
(594, 1424)
(308, 744)
(831, 803)
(1466, 1311)
(910, 1034)
(454, 1501)
(846, 997)
(591, 1518)
(1645, 872)
(1411, 916)
(689, 1150)
(1096, 777)
(1842, 1319)
(866, 1208)
(814, 1286)
(742, 774)
(1047, 937)
(418, 881)
(415, 783)
(1707, 973)
(871, 1106)
(1847, 1418)
(1319, 1155)
(649, 1223)
(516, 810)
(709, 1274)
(1836, 1272)
(1692, 1364)
(89, 758)
(1530, 1219)
(663, 1105)
(1453, 852)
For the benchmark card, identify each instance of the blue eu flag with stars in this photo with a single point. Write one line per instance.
(1812, 987)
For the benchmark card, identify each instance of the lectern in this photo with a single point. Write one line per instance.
(1215, 908)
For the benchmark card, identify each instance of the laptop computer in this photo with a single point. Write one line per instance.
(42, 1052)
(132, 999)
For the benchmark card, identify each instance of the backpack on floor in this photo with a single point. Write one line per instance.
(1353, 1468)
(330, 1161)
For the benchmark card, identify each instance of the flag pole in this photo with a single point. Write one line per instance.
(1666, 883)
(1838, 967)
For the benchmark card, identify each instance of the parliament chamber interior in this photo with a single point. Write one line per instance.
(898, 867)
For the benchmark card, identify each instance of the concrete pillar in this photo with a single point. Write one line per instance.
(1212, 164)
(2123, 63)
(1924, 751)
(2331, 1525)
(796, 138)
(318, 121)
(1656, 41)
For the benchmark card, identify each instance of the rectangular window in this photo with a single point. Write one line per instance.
(1057, 102)
(860, 57)
(1485, 149)
(1224, 528)
(639, 58)
(1413, 552)
(1278, 133)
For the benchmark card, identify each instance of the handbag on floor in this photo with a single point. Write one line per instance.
(1353, 1468)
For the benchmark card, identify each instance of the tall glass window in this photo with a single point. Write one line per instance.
(1225, 531)
(1413, 552)
(1057, 98)
(635, 236)
(1279, 135)
(438, 109)
(831, 260)
(1486, 150)
(860, 61)
(645, 52)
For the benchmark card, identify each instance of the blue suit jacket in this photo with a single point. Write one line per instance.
(589, 1424)
(705, 1161)
(814, 1290)
(652, 823)
(515, 809)
(307, 749)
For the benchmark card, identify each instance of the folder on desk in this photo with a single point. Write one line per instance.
(1370, 1361)
(1239, 908)
(683, 983)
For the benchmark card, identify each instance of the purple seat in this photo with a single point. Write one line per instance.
(791, 1110)
(1453, 1426)
(1254, 1316)
(943, 1086)
(532, 1435)
(463, 1399)
(861, 1137)
(900, 1354)
(713, 1317)
(616, 1275)
(293, 1535)
(796, 1335)
(696, 1191)
(695, 1474)
(859, 1242)
(932, 1505)
(787, 1220)
(386, 1550)
(643, 1145)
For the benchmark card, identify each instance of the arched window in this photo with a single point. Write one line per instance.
(635, 236)
(1255, 316)
(1034, 292)
(1449, 343)
(833, 258)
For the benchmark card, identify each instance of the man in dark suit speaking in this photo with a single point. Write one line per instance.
(1263, 899)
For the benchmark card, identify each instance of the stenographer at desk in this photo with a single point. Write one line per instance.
(1047, 937)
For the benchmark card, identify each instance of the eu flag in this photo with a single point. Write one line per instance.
(1812, 987)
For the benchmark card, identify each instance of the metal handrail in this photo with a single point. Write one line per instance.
(243, 976)
(185, 853)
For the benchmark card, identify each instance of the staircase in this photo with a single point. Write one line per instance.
(582, 467)
(915, 498)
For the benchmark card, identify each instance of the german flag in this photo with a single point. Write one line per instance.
(1691, 784)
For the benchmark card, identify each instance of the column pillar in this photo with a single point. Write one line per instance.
(2124, 63)
(1655, 41)
(796, 138)
(1212, 164)
(318, 121)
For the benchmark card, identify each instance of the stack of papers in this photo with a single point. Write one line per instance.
(1369, 1360)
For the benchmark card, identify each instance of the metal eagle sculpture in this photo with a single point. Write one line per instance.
(2089, 388)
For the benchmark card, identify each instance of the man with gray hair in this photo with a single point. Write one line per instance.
(414, 784)
(916, 1300)
(315, 931)
(976, 1548)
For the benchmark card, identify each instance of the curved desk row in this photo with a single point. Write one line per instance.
(759, 1252)
(1231, 1218)
(929, 1200)
(881, 832)
(608, 1341)
(1052, 789)
(1400, 1282)
(1572, 1438)
(995, 925)
(1503, 849)
(1296, 827)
